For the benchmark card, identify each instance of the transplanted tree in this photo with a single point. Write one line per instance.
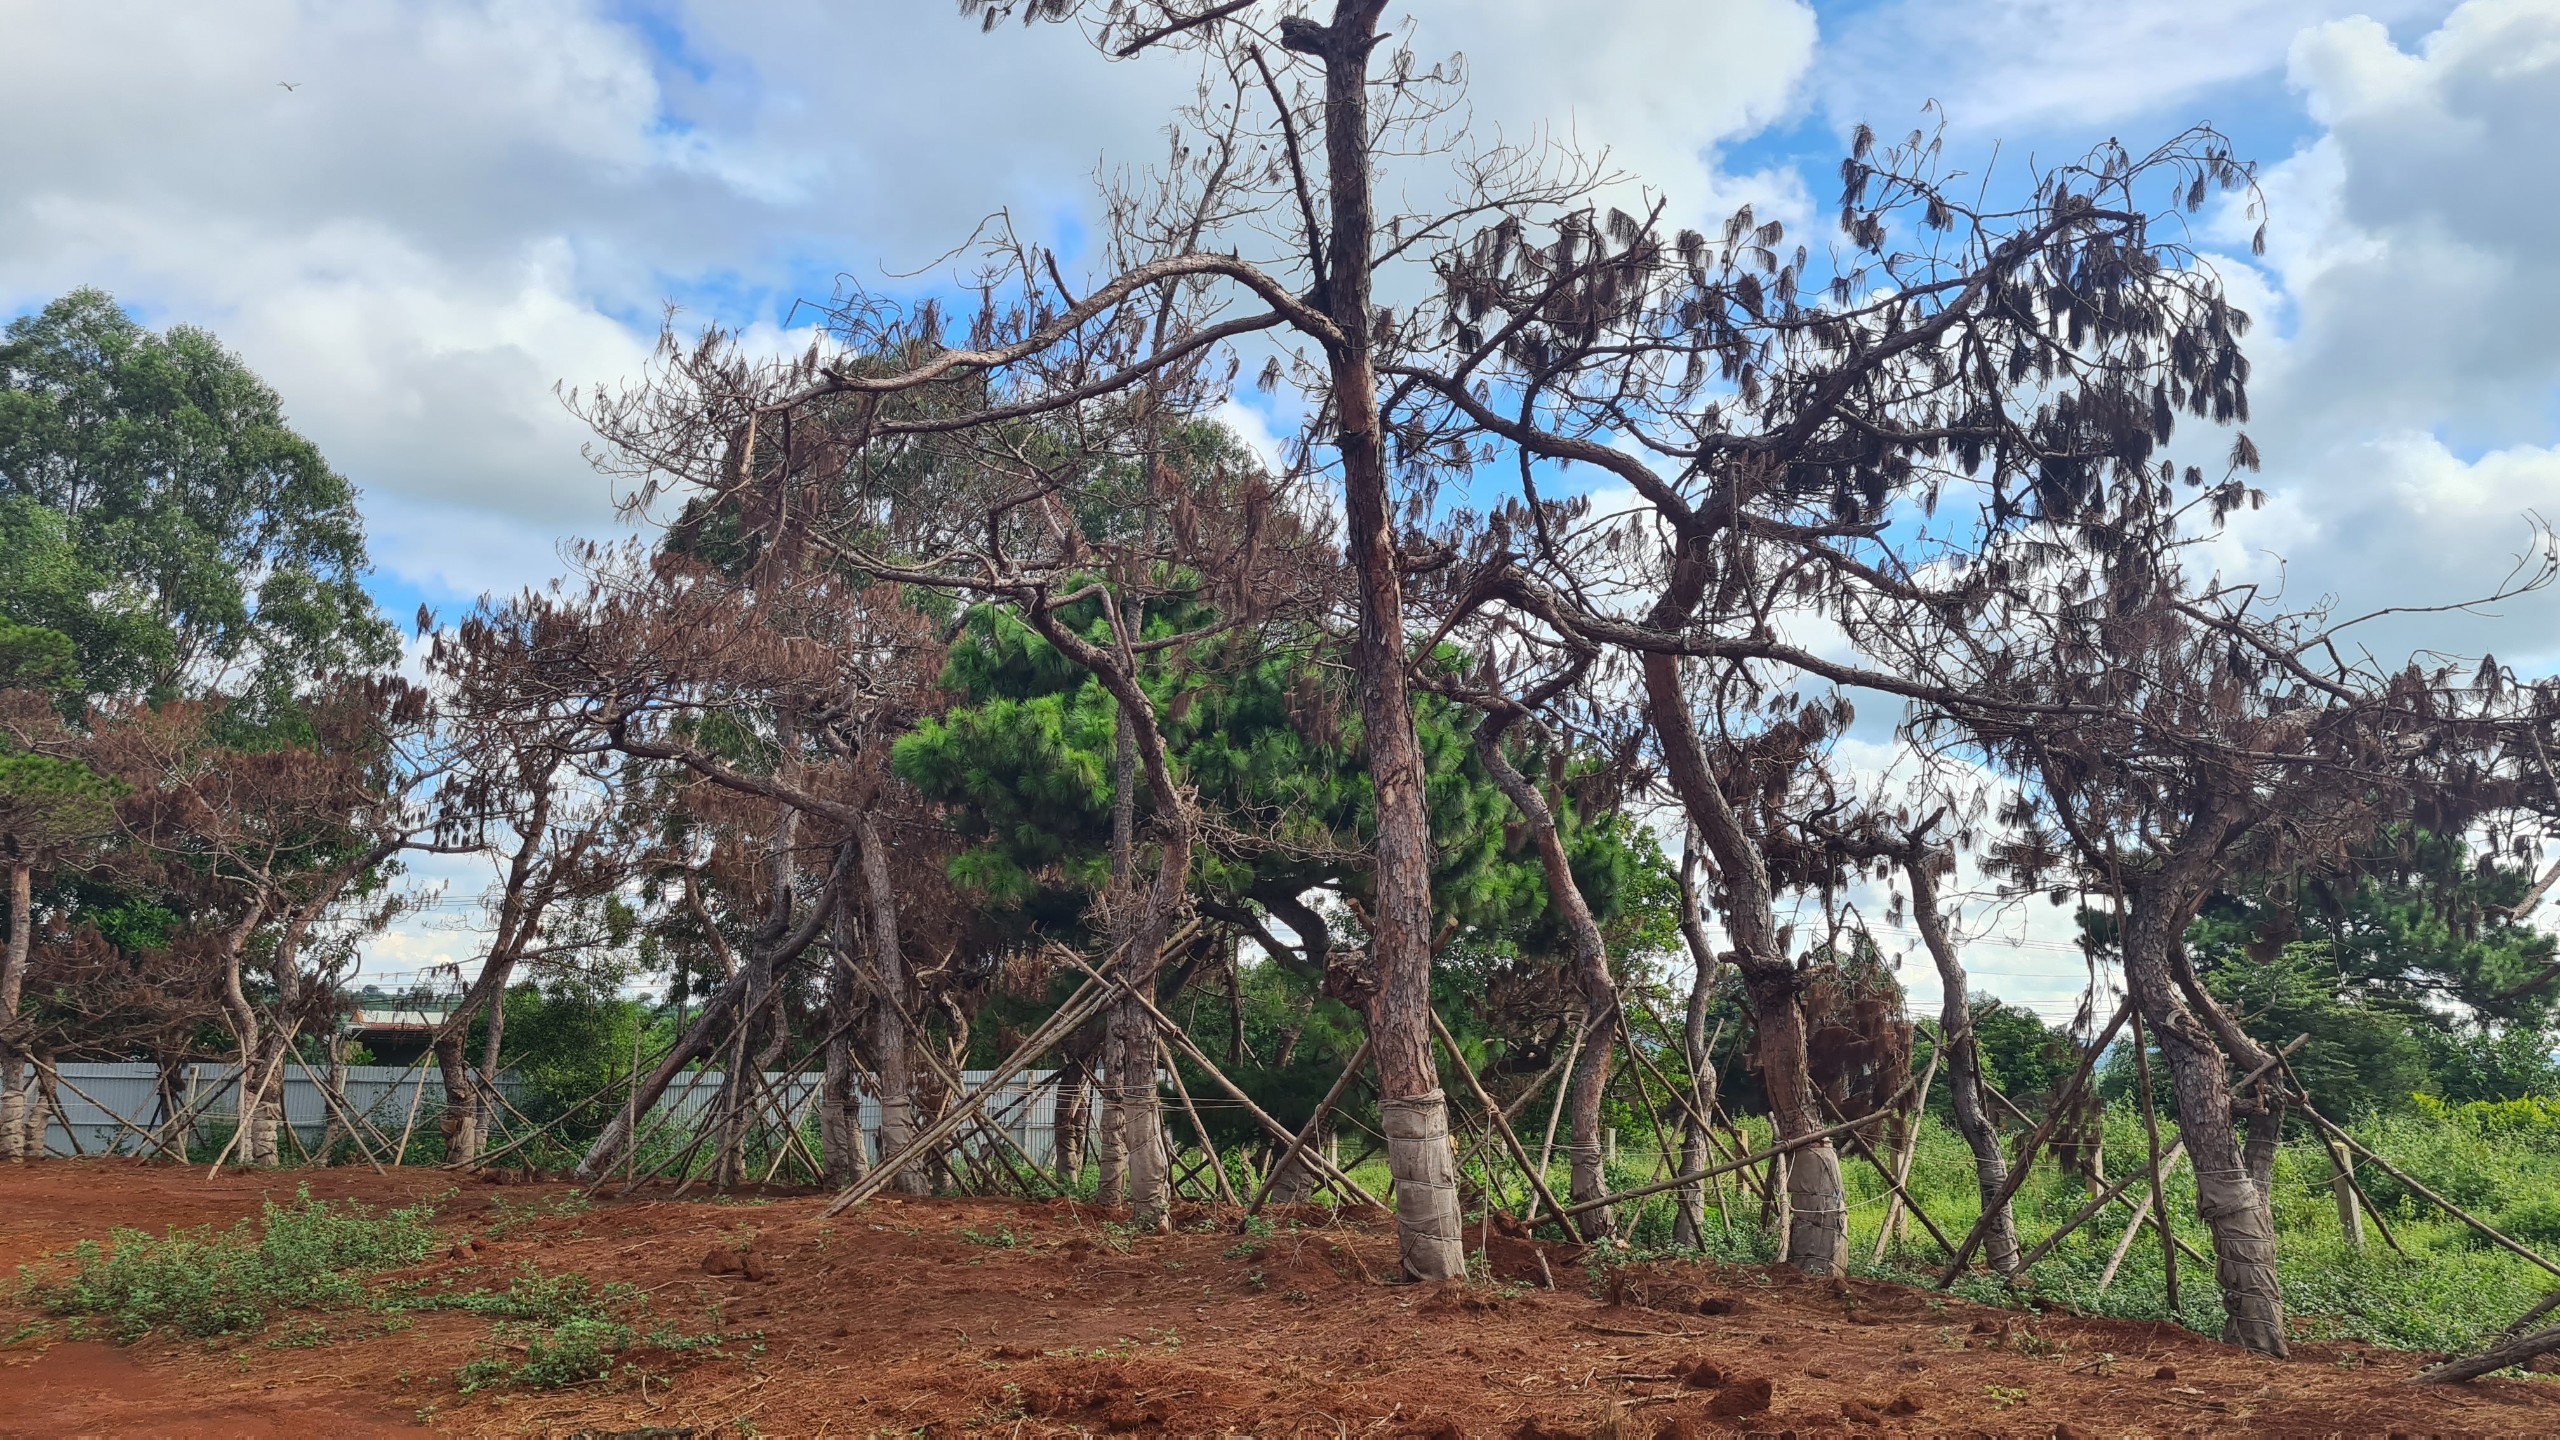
(2169, 736)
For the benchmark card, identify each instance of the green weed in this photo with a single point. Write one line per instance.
(310, 1255)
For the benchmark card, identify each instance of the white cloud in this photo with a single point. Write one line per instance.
(1658, 84)
(1999, 65)
(458, 205)
(2409, 400)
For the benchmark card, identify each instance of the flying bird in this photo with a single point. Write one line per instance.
(289, 85)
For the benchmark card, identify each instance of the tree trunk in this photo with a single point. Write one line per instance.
(1111, 1187)
(1964, 1068)
(1590, 958)
(1146, 1166)
(1071, 1118)
(2227, 1199)
(262, 1117)
(840, 1148)
(460, 1124)
(693, 1044)
(1142, 1144)
(333, 1079)
(1689, 1222)
(888, 1023)
(1817, 1203)
(13, 1056)
(1415, 1112)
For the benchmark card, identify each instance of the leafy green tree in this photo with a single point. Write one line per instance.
(171, 468)
(2407, 968)
(105, 638)
(2021, 1054)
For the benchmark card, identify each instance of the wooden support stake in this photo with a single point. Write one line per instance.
(1902, 1160)
(2148, 1212)
(1350, 1188)
(1208, 1147)
(1784, 1147)
(2514, 1352)
(1088, 1001)
(1306, 1136)
(2115, 1191)
(1519, 1155)
(1858, 1143)
(2487, 1231)
(2035, 1142)
(2159, 1204)
(355, 1135)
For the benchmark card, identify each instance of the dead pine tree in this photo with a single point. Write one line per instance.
(1773, 412)
(2166, 733)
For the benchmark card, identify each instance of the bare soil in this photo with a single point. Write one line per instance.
(959, 1316)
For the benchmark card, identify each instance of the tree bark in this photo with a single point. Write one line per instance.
(1071, 1119)
(2230, 1203)
(1111, 1170)
(1964, 1067)
(1415, 1111)
(1590, 960)
(13, 1055)
(460, 1123)
(1689, 1222)
(840, 1149)
(1816, 1216)
(889, 1037)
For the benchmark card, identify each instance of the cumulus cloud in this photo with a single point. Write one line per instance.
(2408, 395)
(416, 218)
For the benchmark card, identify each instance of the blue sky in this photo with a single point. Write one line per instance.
(462, 204)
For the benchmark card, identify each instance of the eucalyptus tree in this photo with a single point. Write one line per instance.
(173, 472)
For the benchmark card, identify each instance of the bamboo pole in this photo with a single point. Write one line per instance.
(354, 1135)
(2147, 1212)
(2487, 1231)
(1519, 1154)
(1858, 1143)
(2115, 1191)
(1902, 1162)
(409, 1126)
(1351, 1189)
(1208, 1147)
(2035, 1142)
(1305, 1137)
(250, 1102)
(1555, 1113)
(1784, 1147)
(122, 1123)
(1088, 1001)
(2514, 1352)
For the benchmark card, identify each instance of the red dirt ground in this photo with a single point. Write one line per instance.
(888, 1320)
